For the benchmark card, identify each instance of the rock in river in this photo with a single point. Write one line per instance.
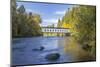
(39, 49)
(52, 57)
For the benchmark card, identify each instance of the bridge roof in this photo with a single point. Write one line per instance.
(55, 27)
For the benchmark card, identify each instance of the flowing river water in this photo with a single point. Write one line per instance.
(23, 52)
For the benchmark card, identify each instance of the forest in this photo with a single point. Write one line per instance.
(82, 24)
(24, 24)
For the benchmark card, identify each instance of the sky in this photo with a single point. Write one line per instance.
(49, 12)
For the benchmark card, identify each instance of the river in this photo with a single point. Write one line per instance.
(23, 53)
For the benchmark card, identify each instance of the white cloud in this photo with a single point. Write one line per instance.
(50, 20)
(60, 12)
(47, 22)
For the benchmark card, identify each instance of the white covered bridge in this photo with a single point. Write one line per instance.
(54, 31)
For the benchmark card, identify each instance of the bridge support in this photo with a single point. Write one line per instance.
(60, 34)
(49, 34)
(53, 34)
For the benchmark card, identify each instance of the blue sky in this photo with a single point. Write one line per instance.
(49, 12)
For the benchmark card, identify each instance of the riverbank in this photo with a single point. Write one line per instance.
(37, 36)
(75, 49)
(25, 36)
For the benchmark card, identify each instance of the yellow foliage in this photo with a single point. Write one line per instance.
(66, 25)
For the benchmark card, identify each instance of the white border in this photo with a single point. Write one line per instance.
(89, 2)
(5, 33)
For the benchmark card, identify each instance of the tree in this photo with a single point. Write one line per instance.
(59, 23)
(25, 24)
(83, 20)
(21, 9)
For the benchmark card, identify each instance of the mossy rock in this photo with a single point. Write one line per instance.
(52, 57)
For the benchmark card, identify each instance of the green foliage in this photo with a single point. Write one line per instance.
(83, 20)
(59, 23)
(24, 24)
(84, 24)
(21, 9)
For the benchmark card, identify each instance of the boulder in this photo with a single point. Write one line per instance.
(52, 57)
(86, 47)
(41, 48)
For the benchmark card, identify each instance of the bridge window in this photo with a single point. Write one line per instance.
(48, 30)
(44, 29)
(60, 30)
(55, 30)
(52, 30)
